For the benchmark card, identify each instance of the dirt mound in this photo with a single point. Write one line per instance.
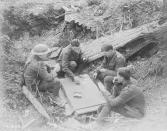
(32, 18)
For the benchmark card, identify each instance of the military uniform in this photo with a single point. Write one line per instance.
(111, 62)
(36, 75)
(130, 103)
(126, 98)
(69, 60)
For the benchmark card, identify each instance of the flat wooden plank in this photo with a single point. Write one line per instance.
(87, 110)
(38, 106)
(91, 96)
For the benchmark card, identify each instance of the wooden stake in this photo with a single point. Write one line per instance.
(38, 106)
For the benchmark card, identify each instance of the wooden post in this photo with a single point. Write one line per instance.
(38, 106)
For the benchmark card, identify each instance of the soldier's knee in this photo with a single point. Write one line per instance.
(121, 63)
(73, 65)
(57, 83)
(108, 79)
(108, 83)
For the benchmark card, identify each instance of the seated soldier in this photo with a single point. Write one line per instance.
(112, 59)
(36, 74)
(111, 62)
(125, 99)
(70, 58)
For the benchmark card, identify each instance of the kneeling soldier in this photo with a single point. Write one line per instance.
(70, 58)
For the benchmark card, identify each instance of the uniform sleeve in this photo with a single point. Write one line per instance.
(103, 65)
(109, 62)
(43, 73)
(81, 57)
(123, 98)
(120, 62)
(65, 65)
(112, 62)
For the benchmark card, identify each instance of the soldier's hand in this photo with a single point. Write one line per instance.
(102, 70)
(106, 93)
(111, 97)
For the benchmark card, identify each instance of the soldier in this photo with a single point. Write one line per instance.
(70, 58)
(111, 62)
(36, 75)
(112, 59)
(125, 99)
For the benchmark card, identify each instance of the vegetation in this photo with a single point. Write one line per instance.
(25, 27)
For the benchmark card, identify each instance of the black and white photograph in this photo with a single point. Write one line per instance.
(83, 65)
